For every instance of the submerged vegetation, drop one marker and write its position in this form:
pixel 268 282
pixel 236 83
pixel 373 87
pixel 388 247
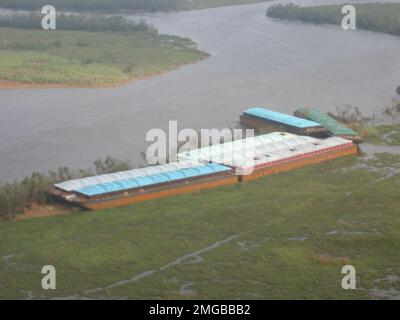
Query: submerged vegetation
pixel 378 129
pixel 106 51
pixel 284 236
pixel 380 17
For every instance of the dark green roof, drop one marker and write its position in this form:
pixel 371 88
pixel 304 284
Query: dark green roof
pixel 333 126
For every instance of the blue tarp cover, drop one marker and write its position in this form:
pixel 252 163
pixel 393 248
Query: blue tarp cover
pixel 145 181
pixel 281 118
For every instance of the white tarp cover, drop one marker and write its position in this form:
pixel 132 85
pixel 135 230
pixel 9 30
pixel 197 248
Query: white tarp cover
pixel 74 185
pixel 221 153
pixel 262 150
pixel 262 158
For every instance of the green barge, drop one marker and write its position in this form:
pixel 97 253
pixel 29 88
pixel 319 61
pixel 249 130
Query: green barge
pixel 334 127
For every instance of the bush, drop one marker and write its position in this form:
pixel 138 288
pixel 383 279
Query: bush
pixel 74 22
pixel 92 5
pixel 382 17
pixel 17 196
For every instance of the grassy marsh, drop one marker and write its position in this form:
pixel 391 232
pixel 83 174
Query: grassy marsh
pixel 89 59
pixel 284 237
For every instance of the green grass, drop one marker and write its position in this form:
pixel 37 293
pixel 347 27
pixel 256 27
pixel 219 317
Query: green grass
pixel 292 233
pixel 77 58
pixel 382 135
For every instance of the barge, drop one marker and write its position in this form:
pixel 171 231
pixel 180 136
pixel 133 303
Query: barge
pixel 265 119
pixel 205 168
pixel 128 187
pixel 334 127
pixel 279 152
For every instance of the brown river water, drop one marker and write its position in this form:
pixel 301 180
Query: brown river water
pixel 255 61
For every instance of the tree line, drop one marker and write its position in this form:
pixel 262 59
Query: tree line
pixel 76 22
pixel 17 196
pixel 92 5
pixel 370 16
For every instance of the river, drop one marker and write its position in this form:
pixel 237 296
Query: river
pixel 255 61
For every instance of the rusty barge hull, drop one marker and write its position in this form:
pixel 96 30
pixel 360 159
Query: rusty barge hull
pixel 271 126
pixel 135 196
pixel 292 164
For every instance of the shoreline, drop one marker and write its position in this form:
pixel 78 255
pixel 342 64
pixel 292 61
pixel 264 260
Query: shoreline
pixel 16 85
pixel 133 12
